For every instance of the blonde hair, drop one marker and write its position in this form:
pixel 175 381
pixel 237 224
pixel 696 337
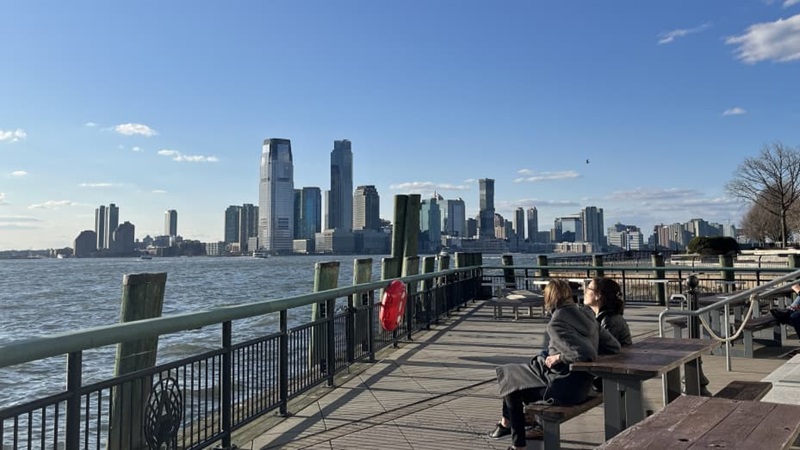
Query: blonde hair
pixel 557 293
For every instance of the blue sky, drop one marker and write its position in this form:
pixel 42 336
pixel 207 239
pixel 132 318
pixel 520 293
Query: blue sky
pixel 157 105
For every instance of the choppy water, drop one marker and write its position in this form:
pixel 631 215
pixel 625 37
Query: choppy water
pixel 50 296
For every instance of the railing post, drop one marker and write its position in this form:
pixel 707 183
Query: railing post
pixel 441 288
pixel 356 326
pixel 326 276
pixel 428 266
pixel 509 279
pixel 283 375
pixel 411 267
pixel 597 262
pixel 74 371
pixel 227 385
pixel 661 297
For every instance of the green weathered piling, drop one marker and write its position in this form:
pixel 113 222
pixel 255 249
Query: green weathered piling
pixel 362 273
pixel 793 259
pixel 659 288
pixel 142 298
pixel 411 231
pixel 597 262
pixel 411 267
pixel 727 276
pixel 509 279
pixel 326 276
pixel 461 260
pixel 541 260
pixel 390 268
pixel 398 228
pixel 428 266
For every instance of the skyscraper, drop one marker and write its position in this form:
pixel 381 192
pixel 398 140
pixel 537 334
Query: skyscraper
pixel 486 214
pixel 112 221
pixel 340 202
pixel 519 225
pixel 454 218
pixel 171 223
pixel 308 212
pixel 366 208
pixel 232 223
pixel 100 226
pixel 533 224
pixel 430 224
pixel 276 196
pixel 592 223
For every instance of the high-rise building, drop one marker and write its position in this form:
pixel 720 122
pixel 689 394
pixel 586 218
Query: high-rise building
pixel 533 224
pixel 486 225
pixel 471 227
pixel 572 229
pixel 340 202
pixel 519 225
pixel 124 238
pixel 171 223
pixel 85 244
pixel 100 226
pixel 454 215
pixel 366 208
pixel 430 222
pixel 276 196
pixel 112 221
pixel 232 223
pixel 308 212
pixel 592 225
pixel 241 223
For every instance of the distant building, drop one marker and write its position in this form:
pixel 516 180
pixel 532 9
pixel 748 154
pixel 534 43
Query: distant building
pixel 232 223
pixel 340 200
pixel 592 226
pixel 100 227
pixel 124 239
pixel 276 197
pixel 111 223
pixel 171 222
pixel 85 244
pixel 430 222
pixel 471 228
pixel 533 224
pixel 366 208
pixel 454 218
pixel 519 227
pixel 335 241
pixel 308 213
pixel 486 224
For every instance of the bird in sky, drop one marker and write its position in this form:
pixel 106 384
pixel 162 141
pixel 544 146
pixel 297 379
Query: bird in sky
pixel 587 161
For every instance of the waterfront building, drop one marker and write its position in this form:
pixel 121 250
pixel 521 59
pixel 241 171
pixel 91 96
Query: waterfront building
pixel 366 208
pixel 308 213
pixel 533 224
pixel 572 229
pixel 215 248
pixel 519 227
pixel 556 231
pixel 276 196
pixel 100 227
pixel 499 223
pixel 85 244
pixel 171 223
pixel 123 238
pixel 111 223
pixel 454 215
pixel 241 224
pixel 592 226
pixel 335 241
pixel 471 227
pixel 340 201
pixel 232 214
pixel 430 222
pixel 486 224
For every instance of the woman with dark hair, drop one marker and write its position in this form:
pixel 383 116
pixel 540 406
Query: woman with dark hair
pixel 573 335
pixel 604 297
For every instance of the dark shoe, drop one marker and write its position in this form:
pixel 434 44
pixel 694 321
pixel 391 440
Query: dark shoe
pixel 499 431
pixel 534 432
pixel 781 315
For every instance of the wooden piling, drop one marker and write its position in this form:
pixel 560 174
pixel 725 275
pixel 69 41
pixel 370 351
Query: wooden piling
pixel 326 276
pixel 597 262
pixel 509 280
pixel 142 298
pixel 659 288
pixel 411 232
pixel 541 260
pixel 362 273
pixel 398 227
pixel 413 307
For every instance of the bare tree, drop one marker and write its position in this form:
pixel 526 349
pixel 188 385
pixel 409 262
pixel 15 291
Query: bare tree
pixel 771 180
pixel 760 224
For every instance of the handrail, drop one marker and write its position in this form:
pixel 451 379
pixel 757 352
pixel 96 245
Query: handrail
pixel 22 351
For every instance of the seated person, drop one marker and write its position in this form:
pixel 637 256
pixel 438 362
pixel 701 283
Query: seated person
pixel 604 297
pixel 791 315
pixel 573 335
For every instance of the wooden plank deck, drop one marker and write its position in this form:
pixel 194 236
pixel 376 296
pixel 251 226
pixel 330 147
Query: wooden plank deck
pixel 440 390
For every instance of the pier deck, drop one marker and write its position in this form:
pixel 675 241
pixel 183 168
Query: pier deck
pixel 439 392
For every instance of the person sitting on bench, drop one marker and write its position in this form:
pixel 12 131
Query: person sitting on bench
pixel 791 315
pixel 604 297
pixel 574 335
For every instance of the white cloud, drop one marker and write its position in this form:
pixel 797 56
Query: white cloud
pixel 524 171
pixel 130 129
pixel 669 36
pixel 18 222
pixel 548 176
pixel 90 124
pixel 136 149
pixel 427 186
pixel 53 204
pixel 655 194
pixel 180 157
pixel 789 3
pixel 18 173
pixel 158 191
pixel 777 41
pixel 736 111
pixel 96 185
pixel 3 198
pixel 12 135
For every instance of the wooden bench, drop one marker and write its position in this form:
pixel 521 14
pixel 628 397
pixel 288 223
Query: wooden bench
pixel 745 390
pixel 551 417
pixel 678 324
pixel 757 324
pixel 515 299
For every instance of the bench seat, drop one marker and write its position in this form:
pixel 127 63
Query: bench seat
pixel 757 324
pixel 744 390
pixel 551 417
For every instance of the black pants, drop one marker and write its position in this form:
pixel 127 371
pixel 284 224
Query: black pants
pixel 514 411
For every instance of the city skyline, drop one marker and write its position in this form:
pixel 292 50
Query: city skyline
pixel 643 110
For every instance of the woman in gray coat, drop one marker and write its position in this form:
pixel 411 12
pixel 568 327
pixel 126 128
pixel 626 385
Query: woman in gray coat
pixel 574 335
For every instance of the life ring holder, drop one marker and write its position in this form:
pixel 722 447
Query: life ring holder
pixel 393 305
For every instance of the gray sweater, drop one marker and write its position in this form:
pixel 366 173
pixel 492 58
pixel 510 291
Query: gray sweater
pixel 574 334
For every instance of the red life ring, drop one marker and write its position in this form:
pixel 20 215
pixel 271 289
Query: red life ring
pixel 393 305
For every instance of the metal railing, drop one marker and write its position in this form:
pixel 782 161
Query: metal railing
pixel 198 401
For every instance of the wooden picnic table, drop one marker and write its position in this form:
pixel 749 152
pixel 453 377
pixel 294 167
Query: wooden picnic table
pixel 692 422
pixel 516 298
pixel 625 372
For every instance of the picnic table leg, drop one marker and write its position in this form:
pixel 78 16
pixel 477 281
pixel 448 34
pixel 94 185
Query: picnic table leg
pixel 614 407
pixel 672 385
pixel 692 376
pixel 634 400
